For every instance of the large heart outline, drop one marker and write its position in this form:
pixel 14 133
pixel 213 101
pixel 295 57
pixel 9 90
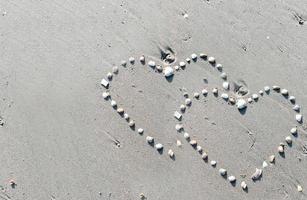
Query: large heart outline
pixel 212 61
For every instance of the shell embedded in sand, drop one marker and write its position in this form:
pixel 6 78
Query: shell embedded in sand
pixel 260 92
pixel 249 100
pixel 131 60
pixel 199 148
pixel 219 66
pixel 225 96
pixel 214 91
pixel 299 188
pixel 296 108
pixel 276 87
pixel 223 75
pixel 231 179
pixel 113 103
pixel 186 135
pixel 281 149
pixel 213 163
pixel 292 99
pixel 115 70
pixel 266 88
pixel 131 123
pixel 140 131
pixel 243 185
pixel 159 68
pixel 142 59
pixel 211 59
pixel 288 139
pixel 241 104
pixel 177 115
pixel 196 95
pixel 104 83
pixel 255 96
pixel 194 56
pixel 193 143
pixel 109 75
pixel 126 116
pixel 123 63
pixel 149 139
pixel 284 92
pixel 293 131
pixel 188 102
pixel 232 100
pixel 272 159
pixel 170 153
pixel 178 143
pixel 182 107
pixel 188 60
pixel 264 164
pixel 168 71
pixel 204 92
pixel 120 110
pixel 257 174
pixel 152 64
pixel 105 95
pixel 182 64
pixel 299 118
pixel 222 171
pixel 226 85
pixel 203 55
pixel 178 127
pixel 176 67
pixel 159 146
pixel 204 156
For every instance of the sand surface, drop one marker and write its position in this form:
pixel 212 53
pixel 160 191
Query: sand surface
pixel 57 140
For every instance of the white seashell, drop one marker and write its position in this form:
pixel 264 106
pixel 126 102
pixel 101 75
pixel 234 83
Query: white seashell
pixel 255 96
pixel 115 70
pixel 241 104
pixel 299 188
pixel 249 100
pixel 176 67
pixel 199 148
pixel 140 131
pixel 159 146
pixel 142 59
pixel 204 92
pixel 120 110
pixel 159 68
pixel 193 143
pixel 264 164
pixel 293 131
pixel 188 102
pixel 272 159
pixel 266 89
pixel 260 92
pixel 225 96
pixel 219 66
pixel 203 55
pixel 131 60
pixel 194 56
pixel 126 116
pixel 105 95
pixel 213 163
pixel 288 139
pixel 185 94
pixel 232 100
pixel 178 127
pixel 223 75
pixel 284 92
pixel 226 85
pixel 188 60
pixel 204 156
pixel 152 64
pixel 299 118
pixel 214 91
pixel 281 149
pixel 177 115
pixel 276 87
pixel 182 108
pixel 179 144
pixel 196 95
pixel 243 185
pixel 296 108
pixel 131 123
pixel 211 59
pixel 104 83
pixel 170 153
pixel 113 103
pixel 222 172
pixel 182 64
pixel 149 139
pixel 257 174
pixel 292 99
pixel 231 179
pixel 168 72
pixel 186 135
pixel 123 63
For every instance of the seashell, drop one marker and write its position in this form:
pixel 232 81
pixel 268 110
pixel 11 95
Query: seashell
pixel 211 60
pixel 226 85
pixel 159 146
pixel 104 83
pixel 299 188
pixel 292 99
pixel 266 89
pixel 213 163
pixel 131 60
pixel 296 108
pixel 225 96
pixel 123 63
pixel 199 148
pixel 231 179
pixel 168 72
pixel 284 92
pixel 260 92
pixel 257 174
pixel 293 131
pixel 120 110
pixel 219 67
pixel 177 115
pixel 152 64
pixel 188 60
pixel 178 143
pixel 188 102
pixel 176 67
pixel 182 64
pixel 171 153
pixel 222 172
pixel 214 91
pixel 288 139
pixel 115 70
pixel 142 59
pixel 178 127
pixel 204 92
pixel 223 75
pixel 193 143
pixel 105 95
pixel 276 88
pixel 185 94
pixel 232 100
pixel 182 108
pixel 194 56
pixel 272 159
pixel 113 103
pixel 249 100
pixel 140 131
pixel 196 95
pixel 281 149
pixel 159 68
pixel 203 55
pixel 126 116
pixel 131 123
pixel 264 164
pixel 204 156
pixel 243 185
pixel 241 104
pixel 186 135
pixel 255 96
pixel 299 118
pixel 149 139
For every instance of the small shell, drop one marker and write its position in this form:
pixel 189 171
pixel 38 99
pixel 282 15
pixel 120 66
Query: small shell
pixel 149 139
pixel 260 92
pixel 299 118
pixel 288 139
pixel 214 91
pixel 232 100
pixel 193 143
pixel 131 123
pixel 142 59
pixel 185 94
pixel 176 67
pixel 182 64
pixel 276 88
pixel 223 75
pixel 186 135
pixel 231 179
pixel 293 131
pixel 249 100
pixel 123 63
pixel 105 95
pixel 257 174
pixel 243 185
pixel 179 144
pixel 196 95
pixel 182 107
pixel 299 188
pixel 168 71
pixel 219 66
pixel 104 83
pixel 213 163
pixel 140 131
pixel 194 56
pixel 204 92
pixel 131 60
pixel 159 146
pixel 264 164
pixel 120 110
pixel 226 85
pixel 296 108
pixel 281 149
pixel 292 99
pixel 204 156
pixel 152 64
pixel 115 70
pixel 199 148
pixel 113 103
pixel 178 127
pixel 241 104
pixel 225 96
pixel 211 59
pixel 188 102
pixel 284 92
pixel 188 60
pixel 272 159
pixel 255 96
pixel 203 55
pixel 159 68
pixel 222 172
pixel 266 89
pixel 171 153
pixel 177 115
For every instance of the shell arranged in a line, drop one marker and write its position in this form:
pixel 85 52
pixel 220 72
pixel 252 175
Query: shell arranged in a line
pixel 226 85
pixel 224 96
pixel 211 59
pixel 159 146
pixel 219 66
pixel 177 115
pixel 179 127
pixel 171 153
pixel 222 171
pixel 204 92
pixel 266 89
pixel 104 83
pixel 113 103
pixel 243 185
pixel 299 118
pixel 131 60
pixel 115 70
pixel 194 56
pixel 149 139
pixel 140 131
pixel 272 159
pixel 288 139
pixel 152 64
pixel 296 108
pixel 105 95
pixel 142 59
pixel 196 95
pixel 186 135
pixel 284 92
pixel 182 107
pixel 188 102
pixel 182 64
pixel 257 174
pixel 168 72
pixel 223 75
pixel 241 104
pixel 293 131
pixel 231 179
pixel 213 163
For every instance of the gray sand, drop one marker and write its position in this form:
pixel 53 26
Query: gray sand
pixel 58 132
